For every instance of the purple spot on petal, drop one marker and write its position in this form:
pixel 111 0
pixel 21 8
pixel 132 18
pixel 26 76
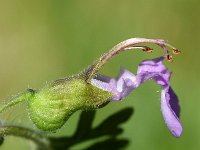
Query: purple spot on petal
pixel 174 102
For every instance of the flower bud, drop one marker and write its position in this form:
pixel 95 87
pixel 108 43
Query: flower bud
pixel 51 106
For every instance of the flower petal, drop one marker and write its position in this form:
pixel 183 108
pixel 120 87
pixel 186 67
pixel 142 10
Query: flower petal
pixel 153 69
pixel 125 79
pixel 152 65
pixel 148 69
pixel 120 86
pixel 101 84
pixel 170 110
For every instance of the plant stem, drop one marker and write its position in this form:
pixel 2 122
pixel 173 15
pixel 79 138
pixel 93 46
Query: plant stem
pixel 26 95
pixel 42 142
pixel 123 46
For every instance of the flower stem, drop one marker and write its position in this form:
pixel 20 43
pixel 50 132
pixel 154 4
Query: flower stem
pixel 41 141
pixel 123 46
pixel 17 99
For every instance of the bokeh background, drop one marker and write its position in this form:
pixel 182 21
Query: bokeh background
pixel 43 40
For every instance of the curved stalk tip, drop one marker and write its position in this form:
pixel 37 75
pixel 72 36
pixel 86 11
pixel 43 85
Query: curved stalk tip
pixel 129 45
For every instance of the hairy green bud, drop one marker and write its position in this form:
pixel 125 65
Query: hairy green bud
pixel 50 107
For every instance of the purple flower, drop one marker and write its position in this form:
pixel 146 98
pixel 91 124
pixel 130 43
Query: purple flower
pixel 122 85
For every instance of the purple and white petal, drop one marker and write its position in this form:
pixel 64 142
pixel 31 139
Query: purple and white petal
pixel 153 69
pixel 102 85
pixel 126 82
pixel 120 86
pixel 170 109
pixel 152 65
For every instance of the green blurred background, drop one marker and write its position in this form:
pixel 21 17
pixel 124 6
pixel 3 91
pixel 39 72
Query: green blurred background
pixel 43 40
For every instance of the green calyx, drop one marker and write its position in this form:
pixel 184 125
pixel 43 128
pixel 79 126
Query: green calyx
pixel 50 107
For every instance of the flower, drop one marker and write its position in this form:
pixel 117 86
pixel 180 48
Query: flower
pixel 122 85
pixel 89 90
